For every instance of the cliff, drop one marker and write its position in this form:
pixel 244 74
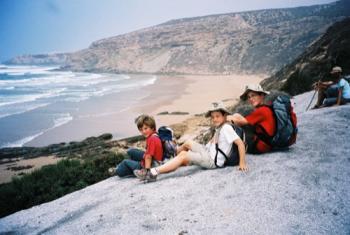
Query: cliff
pixel 251 42
pixel 332 49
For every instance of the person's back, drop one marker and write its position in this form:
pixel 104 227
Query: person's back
pixel 345 86
pixel 154 147
pixel 263 120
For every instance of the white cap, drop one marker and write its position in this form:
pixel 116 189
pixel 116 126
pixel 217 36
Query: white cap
pixel 255 88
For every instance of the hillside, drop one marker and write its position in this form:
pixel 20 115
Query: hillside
pixel 303 190
pixel 332 49
pixel 252 42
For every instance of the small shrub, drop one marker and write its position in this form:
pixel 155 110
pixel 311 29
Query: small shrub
pixel 54 181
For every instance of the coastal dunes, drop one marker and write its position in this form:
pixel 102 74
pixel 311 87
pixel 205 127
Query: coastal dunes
pixel 304 189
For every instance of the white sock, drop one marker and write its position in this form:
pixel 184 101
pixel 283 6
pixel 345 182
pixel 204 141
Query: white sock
pixel 154 171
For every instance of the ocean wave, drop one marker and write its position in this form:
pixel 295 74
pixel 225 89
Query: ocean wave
pixel 24 109
pixel 31 98
pixel 59 121
pixel 22 70
pixel 137 84
pixel 68 79
pixel 9 88
pixel 21 142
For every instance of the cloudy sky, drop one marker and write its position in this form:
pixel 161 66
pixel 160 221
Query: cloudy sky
pixel 41 26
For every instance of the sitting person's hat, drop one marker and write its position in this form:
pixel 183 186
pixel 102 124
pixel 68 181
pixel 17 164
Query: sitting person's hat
pixel 336 69
pixel 255 88
pixel 217 106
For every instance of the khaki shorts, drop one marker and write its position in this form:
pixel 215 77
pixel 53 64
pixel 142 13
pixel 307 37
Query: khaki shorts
pixel 199 155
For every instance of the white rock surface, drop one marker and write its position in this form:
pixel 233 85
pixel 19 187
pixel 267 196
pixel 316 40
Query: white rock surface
pixel 301 191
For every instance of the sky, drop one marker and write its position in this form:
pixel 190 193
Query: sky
pixel 47 26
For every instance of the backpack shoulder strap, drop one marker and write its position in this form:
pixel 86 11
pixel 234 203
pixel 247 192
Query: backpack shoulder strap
pixel 218 150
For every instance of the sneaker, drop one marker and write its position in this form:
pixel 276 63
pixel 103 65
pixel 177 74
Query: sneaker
pixel 140 174
pixel 111 171
pixel 150 177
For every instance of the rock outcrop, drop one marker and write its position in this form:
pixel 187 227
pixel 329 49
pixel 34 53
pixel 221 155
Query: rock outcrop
pixel 252 42
pixel 332 49
pixel 303 190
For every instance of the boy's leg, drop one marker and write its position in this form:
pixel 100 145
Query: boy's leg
pixel 171 165
pixel 345 101
pixel 188 145
pixel 320 97
pixel 181 148
pixel 135 154
pixel 332 91
pixel 330 101
pixel 126 167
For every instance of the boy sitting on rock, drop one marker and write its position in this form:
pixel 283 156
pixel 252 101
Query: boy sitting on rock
pixel 139 159
pixel 208 156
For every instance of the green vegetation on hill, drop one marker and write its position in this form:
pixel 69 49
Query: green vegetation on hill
pixel 54 181
pixel 91 145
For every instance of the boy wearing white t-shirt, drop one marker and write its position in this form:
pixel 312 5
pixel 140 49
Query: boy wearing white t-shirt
pixel 192 153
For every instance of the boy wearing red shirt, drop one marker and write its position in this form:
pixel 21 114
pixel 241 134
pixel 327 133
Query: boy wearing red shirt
pixel 262 119
pixel 140 159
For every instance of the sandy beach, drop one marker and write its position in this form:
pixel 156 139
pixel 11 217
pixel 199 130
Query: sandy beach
pixel 6 173
pixel 195 95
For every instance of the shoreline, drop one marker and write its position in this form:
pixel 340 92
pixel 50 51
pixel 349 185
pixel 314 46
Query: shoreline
pixel 191 94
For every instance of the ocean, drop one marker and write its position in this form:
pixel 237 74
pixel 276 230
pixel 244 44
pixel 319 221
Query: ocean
pixel 35 100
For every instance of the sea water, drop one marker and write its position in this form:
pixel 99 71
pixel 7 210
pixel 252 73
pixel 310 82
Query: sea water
pixel 36 99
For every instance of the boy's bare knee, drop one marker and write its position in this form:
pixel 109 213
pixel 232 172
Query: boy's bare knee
pixel 184 158
pixel 182 153
pixel 188 144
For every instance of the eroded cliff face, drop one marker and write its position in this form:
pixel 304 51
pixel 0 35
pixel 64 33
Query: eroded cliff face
pixel 332 49
pixel 250 42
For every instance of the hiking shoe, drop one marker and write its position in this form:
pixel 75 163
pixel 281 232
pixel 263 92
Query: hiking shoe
pixel 111 171
pixel 140 174
pixel 150 177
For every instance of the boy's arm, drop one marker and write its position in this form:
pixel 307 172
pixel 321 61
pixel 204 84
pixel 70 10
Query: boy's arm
pixel 241 150
pixel 149 153
pixel 148 160
pixel 237 119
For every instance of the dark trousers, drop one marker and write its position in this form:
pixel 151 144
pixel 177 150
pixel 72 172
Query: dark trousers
pixel 127 166
pixel 332 96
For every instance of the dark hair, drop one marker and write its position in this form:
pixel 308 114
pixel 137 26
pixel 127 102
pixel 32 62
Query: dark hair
pixel 147 120
pixel 220 111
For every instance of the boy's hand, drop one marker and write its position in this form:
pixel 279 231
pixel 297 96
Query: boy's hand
pixel 243 167
pixel 315 85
